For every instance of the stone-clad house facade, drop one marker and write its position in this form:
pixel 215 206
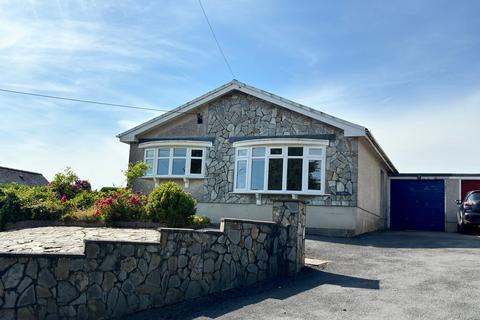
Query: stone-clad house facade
pixel 237 147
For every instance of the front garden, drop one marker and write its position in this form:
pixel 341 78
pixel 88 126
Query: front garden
pixel 71 200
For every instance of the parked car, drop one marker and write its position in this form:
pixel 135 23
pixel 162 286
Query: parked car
pixel 468 214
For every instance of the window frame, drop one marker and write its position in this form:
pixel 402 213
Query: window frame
pixel 145 158
pixel 284 144
pixel 188 158
pixel 235 172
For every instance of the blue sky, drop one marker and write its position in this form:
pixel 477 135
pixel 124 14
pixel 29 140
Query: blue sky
pixel 408 70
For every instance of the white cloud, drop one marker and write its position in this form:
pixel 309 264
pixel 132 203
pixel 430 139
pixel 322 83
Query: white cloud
pixel 327 94
pixel 80 52
pixel 439 136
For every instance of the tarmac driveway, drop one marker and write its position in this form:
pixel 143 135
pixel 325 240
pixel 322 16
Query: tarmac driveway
pixel 385 275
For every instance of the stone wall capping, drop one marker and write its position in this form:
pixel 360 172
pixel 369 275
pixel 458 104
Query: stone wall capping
pixel 54 255
pixel 186 230
pixel 290 200
pixel 233 220
pixel 165 229
pixel 107 241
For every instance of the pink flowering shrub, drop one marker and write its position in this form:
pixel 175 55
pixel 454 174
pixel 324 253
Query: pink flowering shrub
pixel 82 185
pixel 67 185
pixel 124 205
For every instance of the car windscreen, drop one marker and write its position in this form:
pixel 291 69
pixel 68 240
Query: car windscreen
pixel 474 197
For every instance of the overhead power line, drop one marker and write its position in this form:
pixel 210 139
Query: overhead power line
pixel 89 101
pixel 216 40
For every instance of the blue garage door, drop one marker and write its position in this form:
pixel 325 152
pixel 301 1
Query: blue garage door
pixel 417 205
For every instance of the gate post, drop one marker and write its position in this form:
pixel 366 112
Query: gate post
pixel 290 214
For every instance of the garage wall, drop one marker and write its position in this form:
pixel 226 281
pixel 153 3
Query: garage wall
pixel 468 185
pixel 452 187
pixel 370 191
pixel 366 222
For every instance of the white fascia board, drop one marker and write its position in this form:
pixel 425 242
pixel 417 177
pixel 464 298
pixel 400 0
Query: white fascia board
pixel 281 142
pixel 464 178
pixel 350 129
pixel 439 176
pixel 179 143
pixel 130 135
pixel 376 147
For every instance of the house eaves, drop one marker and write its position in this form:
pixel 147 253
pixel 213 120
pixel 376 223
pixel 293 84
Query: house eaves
pixel 350 129
pixel 380 152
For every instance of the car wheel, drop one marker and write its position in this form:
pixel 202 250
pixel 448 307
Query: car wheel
pixel 461 228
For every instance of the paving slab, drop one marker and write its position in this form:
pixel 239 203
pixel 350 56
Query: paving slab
pixel 62 239
pixel 318 263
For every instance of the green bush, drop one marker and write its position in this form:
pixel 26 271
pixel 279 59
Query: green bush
pixel 169 204
pixel 3 199
pixel 110 189
pixel 85 200
pixel 200 222
pixel 81 215
pixel 47 210
pixel 11 209
pixel 23 203
pixel 134 171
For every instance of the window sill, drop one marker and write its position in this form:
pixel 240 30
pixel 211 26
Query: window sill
pixel 173 177
pixel 300 193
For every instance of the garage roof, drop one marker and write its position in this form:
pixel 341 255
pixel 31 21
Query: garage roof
pixel 439 175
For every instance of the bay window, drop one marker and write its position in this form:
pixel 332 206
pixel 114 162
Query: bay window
pixel 282 166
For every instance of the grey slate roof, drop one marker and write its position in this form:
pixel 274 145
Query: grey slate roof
pixel 9 175
pixel 350 129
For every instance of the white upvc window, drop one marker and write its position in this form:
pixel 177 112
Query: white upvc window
pixel 280 166
pixel 174 159
pixel 150 160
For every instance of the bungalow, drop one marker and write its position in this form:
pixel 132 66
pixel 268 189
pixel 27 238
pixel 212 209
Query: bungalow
pixel 28 178
pixel 238 147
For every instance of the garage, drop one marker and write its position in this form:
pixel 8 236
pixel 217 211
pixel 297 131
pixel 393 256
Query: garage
pixel 417 205
pixel 426 201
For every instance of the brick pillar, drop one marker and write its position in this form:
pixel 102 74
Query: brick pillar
pixel 290 214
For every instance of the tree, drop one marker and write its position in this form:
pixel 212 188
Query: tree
pixel 134 171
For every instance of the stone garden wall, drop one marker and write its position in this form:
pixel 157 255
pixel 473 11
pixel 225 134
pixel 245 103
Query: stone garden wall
pixel 114 278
